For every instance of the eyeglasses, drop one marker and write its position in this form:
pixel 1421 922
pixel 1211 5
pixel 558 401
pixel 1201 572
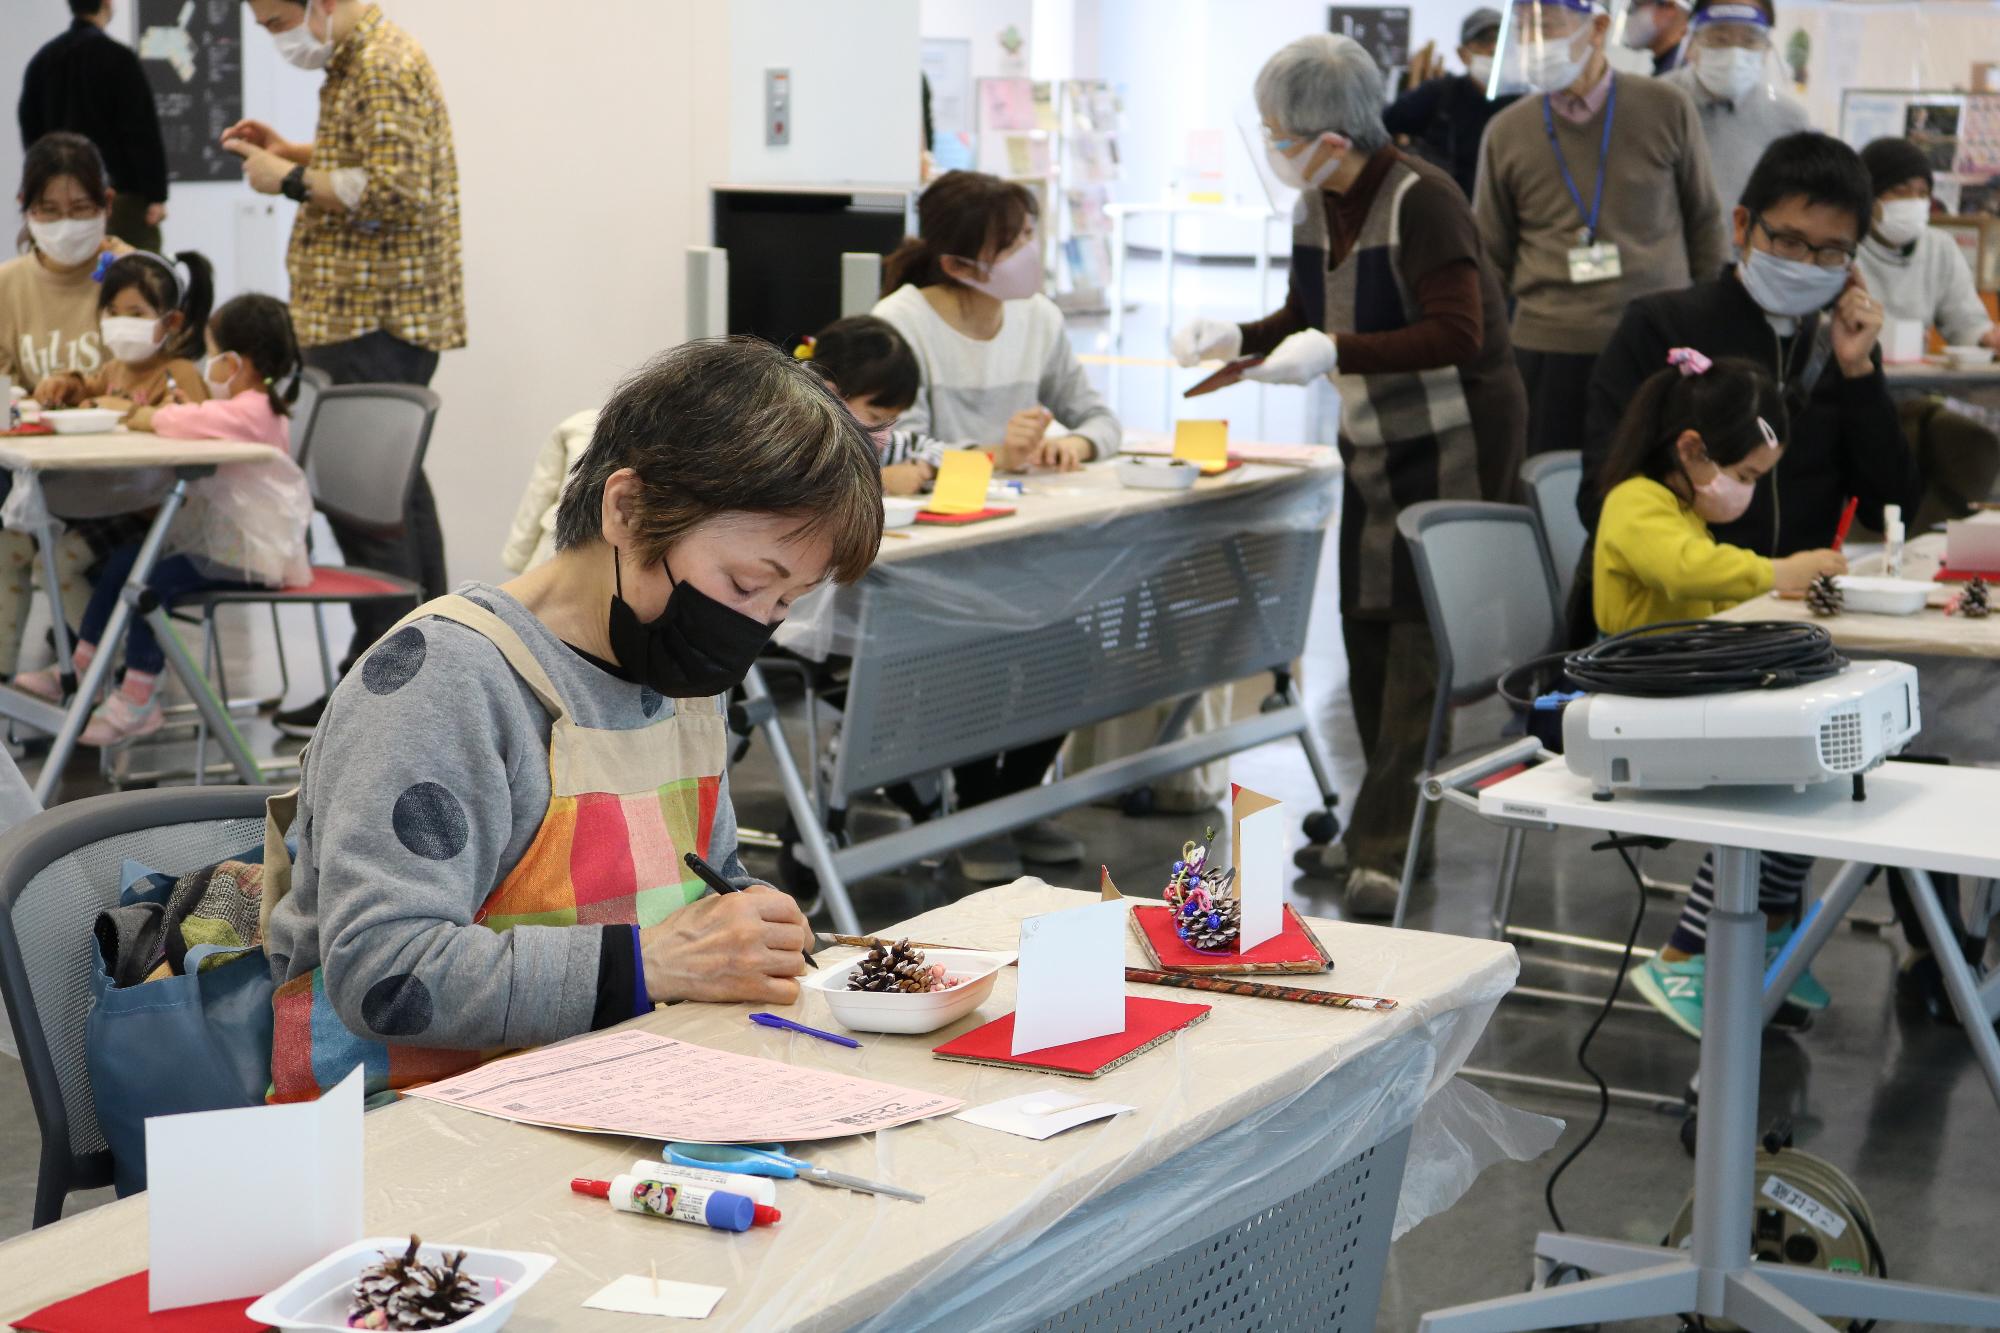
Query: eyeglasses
pixel 80 211
pixel 1791 245
pixel 1289 140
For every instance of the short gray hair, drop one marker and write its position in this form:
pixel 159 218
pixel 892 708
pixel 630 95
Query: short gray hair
pixel 1324 82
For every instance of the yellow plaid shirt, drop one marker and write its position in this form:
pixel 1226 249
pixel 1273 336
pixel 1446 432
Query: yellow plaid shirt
pixel 394 261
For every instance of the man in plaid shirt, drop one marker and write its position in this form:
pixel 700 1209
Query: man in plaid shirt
pixel 378 287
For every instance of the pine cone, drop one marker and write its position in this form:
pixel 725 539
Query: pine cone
pixel 1974 601
pixel 1823 596
pixel 405 1293
pixel 1216 928
pixel 900 967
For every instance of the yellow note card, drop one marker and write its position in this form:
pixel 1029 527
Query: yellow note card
pixel 962 478
pixel 1203 443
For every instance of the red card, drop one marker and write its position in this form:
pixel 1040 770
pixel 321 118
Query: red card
pixel 1947 574
pixel 120 1307
pixel 1293 945
pixel 978 516
pixel 1147 1023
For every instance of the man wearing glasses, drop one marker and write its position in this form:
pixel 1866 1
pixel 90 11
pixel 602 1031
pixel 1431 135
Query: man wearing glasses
pixel 1796 304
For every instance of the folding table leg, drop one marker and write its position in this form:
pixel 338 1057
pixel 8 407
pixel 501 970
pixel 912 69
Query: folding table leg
pixel 47 538
pixel 1823 919
pixel 812 837
pixel 1959 981
pixel 182 664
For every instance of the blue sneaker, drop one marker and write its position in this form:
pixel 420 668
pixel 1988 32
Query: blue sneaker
pixel 1806 992
pixel 1675 989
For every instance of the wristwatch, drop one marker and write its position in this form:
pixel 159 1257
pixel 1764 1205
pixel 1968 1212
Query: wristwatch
pixel 293 186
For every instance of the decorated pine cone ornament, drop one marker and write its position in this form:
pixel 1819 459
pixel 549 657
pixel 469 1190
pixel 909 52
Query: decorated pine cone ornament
pixel 900 967
pixel 404 1292
pixel 1823 596
pixel 1207 913
pixel 1973 600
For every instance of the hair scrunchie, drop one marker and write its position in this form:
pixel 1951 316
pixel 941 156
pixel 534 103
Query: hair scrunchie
pixel 1688 361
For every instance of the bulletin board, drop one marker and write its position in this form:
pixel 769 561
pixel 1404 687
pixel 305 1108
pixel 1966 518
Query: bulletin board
pixel 192 52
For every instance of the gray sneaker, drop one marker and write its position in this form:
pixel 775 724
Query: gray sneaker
pixel 993 861
pixel 1325 859
pixel 1371 893
pixel 1045 843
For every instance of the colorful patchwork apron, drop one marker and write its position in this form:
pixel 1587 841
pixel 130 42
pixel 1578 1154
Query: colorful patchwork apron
pixel 624 807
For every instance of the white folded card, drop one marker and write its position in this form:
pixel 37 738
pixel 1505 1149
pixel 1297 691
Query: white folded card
pixel 633 1294
pixel 1041 1115
pixel 1072 977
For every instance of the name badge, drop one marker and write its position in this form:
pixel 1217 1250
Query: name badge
pixel 1594 263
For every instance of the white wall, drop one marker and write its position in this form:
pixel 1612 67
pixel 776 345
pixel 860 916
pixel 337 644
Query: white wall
pixel 856 108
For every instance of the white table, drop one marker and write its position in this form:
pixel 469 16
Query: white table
pixel 1919 817
pixel 841 1261
pixel 1088 603
pixel 34 459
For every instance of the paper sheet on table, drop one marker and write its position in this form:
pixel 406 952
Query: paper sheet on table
pixel 242 1201
pixel 653 1087
pixel 633 1294
pixel 1062 1110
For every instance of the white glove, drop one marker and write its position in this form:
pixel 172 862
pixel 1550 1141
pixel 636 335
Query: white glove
pixel 1207 340
pixel 1299 359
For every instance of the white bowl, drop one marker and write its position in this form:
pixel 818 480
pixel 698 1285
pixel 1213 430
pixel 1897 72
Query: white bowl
pixel 81 420
pixel 318 1297
pixel 1968 358
pixel 1157 474
pixel 906 1012
pixel 900 511
pixel 1882 596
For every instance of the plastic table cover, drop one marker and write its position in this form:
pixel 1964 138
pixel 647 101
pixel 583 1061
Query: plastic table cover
pixel 1075 539
pixel 1254 1103
pixel 96 476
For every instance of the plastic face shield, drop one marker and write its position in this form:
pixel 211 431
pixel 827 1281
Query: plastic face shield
pixel 1544 45
pixel 1730 52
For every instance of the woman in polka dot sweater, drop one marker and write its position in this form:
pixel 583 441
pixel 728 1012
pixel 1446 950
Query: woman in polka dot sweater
pixel 493 814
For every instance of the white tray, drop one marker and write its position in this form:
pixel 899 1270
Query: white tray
pixel 318 1298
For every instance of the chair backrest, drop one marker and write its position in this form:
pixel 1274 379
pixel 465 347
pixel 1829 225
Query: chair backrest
pixel 1488 589
pixel 312 383
pixel 57 872
pixel 368 442
pixel 1551 481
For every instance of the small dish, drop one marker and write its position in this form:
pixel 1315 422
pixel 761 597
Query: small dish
pixel 1882 596
pixel 900 511
pixel 1157 474
pixel 912 1012
pixel 1968 358
pixel 81 420
pixel 318 1298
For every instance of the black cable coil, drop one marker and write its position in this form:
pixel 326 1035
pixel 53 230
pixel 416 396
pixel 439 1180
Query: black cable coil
pixel 1681 657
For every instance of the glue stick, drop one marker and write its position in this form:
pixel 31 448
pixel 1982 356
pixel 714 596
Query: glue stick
pixel 1892 541
pixel 759 1189
pixel 682 1203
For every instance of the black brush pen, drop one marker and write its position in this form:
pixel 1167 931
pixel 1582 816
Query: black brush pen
pixel 715 881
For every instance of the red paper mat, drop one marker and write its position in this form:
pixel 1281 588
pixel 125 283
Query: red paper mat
pixel 977 516
pixel 120 1307
pixel 1293 949
pixel 1949 575
pixel 34 428
pixel 1147 1024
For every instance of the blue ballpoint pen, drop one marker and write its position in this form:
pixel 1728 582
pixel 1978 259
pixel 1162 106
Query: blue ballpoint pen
pixel 773 1021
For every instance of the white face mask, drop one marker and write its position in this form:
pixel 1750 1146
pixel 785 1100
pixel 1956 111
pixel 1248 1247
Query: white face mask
pixel 1789 288
pixel 1480 70
pixel 1555 64
pixel 303 47
pixel 130 337
pixel 211 364
pixel 1723 498
pixel 1729 73
pixel 1014 276
pixel 1903 221
pixel 1641 27
pixel 68 242
pixel 1286 166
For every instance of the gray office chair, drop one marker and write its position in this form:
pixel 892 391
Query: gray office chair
pixel 57 872
pixel 1551 482
pixel 312 383
pixel 1490 595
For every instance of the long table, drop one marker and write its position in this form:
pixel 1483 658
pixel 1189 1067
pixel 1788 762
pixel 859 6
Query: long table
pixel 1247 1124
pixel 89 467
pixel 1089 602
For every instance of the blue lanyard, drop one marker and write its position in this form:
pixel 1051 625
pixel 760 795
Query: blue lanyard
pixel 1603 154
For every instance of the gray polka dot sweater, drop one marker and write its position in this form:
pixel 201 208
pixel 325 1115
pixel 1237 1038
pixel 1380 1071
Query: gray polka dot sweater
pixel 425 785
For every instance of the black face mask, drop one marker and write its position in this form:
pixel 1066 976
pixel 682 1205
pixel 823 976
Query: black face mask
pixel 696 647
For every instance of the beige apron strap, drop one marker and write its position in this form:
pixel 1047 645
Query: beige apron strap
pixel 279 812
pixel 706 705
pixel 463 611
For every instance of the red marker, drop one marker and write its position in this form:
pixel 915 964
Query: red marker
pixel 1846 520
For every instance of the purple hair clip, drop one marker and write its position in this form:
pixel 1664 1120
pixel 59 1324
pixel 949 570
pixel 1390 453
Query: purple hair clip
pixel 1688 361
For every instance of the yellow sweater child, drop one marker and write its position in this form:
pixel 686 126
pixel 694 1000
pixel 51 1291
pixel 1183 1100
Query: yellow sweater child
pixel 1690 451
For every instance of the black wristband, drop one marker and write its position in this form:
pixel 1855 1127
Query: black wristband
pixel 294 186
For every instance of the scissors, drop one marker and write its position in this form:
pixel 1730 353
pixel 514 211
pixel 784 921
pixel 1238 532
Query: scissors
pixel 769 1159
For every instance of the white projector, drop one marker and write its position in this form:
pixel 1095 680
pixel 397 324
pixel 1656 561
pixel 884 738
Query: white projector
pixel 1833 728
